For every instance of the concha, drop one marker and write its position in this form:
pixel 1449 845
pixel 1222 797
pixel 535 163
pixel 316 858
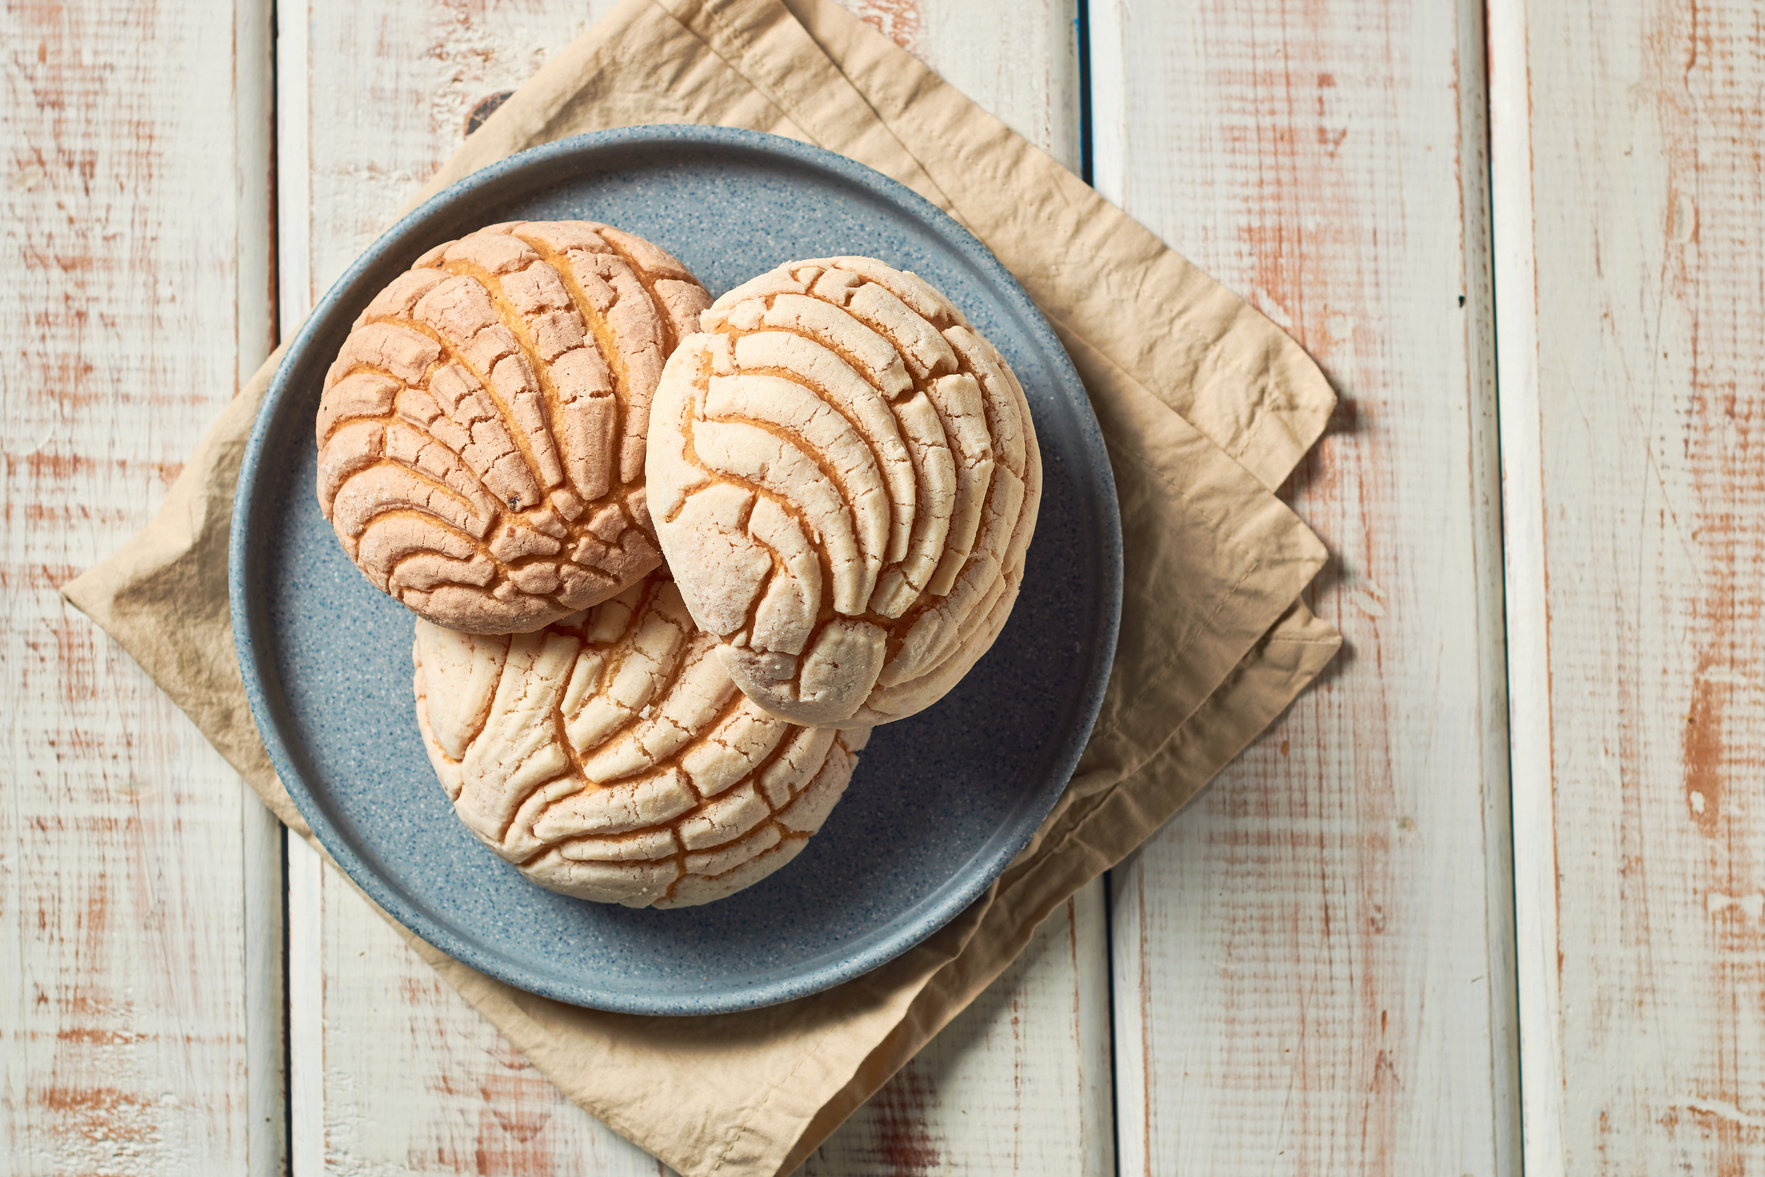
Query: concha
pixel 481 433
pixel 844 477
pixel 610 757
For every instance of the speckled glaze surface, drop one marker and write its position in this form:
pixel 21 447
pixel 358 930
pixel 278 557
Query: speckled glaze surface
pixel 940 803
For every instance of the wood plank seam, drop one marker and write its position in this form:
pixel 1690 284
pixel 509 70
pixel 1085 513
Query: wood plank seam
pixel 1471 82
pixel 303 969
pixel 1525 603
pixel 1087 172
pixel 1082 34
pixel 263 884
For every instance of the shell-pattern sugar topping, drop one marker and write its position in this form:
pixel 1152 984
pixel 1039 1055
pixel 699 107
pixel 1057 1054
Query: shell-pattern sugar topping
pixel 610 757
pixel 845 478
pixel 481 433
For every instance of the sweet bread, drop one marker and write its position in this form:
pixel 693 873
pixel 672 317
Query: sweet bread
pixel 610 757
pixel 481 433
pixel 845 478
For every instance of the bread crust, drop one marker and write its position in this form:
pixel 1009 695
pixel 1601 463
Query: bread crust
pixel 482 431
pixel 610 757
pixel 845 478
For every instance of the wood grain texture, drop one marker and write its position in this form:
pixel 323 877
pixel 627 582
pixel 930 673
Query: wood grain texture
pixel 353 153
pixel 1523 512
pixel 131 865
pixel 1018 60
pixel 1312 969
pixel 1646 185
pixel 413 1079
pixel 1018 1083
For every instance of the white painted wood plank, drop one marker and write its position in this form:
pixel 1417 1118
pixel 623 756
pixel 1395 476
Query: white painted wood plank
pixel 1528 628
pixel 296 293
pixel 1640 383
pixel 130 868
pixel 415 1081
pixel 409 1071
pixel 266 1011
pixel 1312 965
pixel 306 1010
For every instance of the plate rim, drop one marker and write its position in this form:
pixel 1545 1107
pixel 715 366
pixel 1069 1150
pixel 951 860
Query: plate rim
pixel 915 923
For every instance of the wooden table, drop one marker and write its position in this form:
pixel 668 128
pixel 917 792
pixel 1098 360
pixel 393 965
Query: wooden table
pixel 1495 886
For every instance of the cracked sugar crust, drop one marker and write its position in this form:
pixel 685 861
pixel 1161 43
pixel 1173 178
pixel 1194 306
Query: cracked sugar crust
pixel 609 756
pixel 482 431
pixel 845 479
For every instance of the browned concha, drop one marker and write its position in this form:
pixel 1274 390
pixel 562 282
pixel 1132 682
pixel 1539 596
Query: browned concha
pixel 845 478
pixel 481 434
pixel 610 757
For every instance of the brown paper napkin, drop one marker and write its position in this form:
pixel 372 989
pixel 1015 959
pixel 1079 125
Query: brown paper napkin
pixel 1205 406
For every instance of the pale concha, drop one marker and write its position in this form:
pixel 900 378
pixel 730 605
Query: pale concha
pixel 610 757
pixel 844 478
pixel 481 434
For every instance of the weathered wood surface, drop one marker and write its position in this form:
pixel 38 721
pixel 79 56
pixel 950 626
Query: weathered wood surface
pixel 1644 988
pixel 1529 694
pixel 139 1034
pixel 1018 1083
pixel 1312 969
pixel 1313 966
pixel 391 1070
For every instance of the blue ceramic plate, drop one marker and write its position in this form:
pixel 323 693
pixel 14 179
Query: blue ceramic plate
pixel 940 803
